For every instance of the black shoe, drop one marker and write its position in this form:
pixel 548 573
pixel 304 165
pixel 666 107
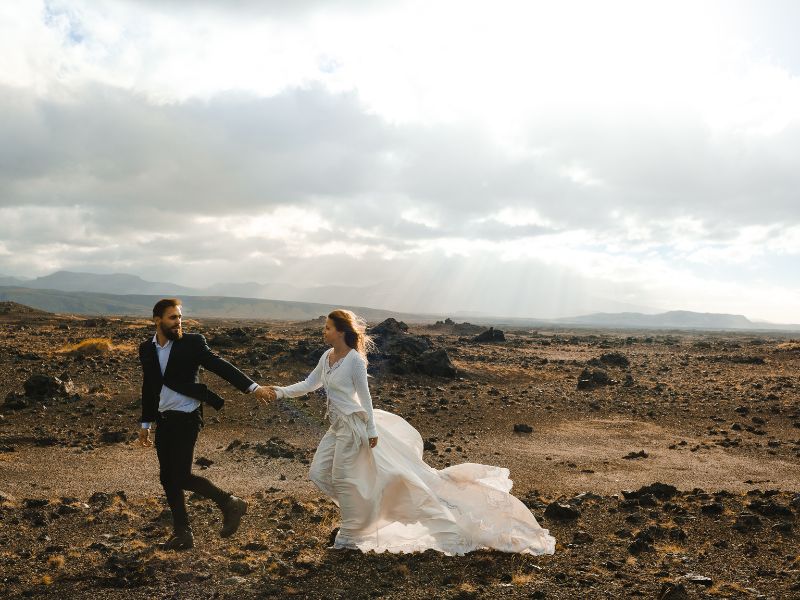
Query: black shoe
pixel 180 540
pixel 232 514
pixel 332 537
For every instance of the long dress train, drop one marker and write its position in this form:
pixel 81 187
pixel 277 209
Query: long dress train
pixel 391 500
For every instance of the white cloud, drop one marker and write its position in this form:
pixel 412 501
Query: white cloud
pixel 505 152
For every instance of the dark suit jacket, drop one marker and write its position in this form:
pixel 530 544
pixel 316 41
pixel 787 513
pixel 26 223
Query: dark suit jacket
pixel 186 357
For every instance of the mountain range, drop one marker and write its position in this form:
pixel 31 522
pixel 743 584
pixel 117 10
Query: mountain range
pixel 120 293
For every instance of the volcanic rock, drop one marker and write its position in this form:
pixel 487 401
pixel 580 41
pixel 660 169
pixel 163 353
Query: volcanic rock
pixel 40 386
pixel 308 353
pixel 698 579
pixel 591 379
pixel 768 508
pixel 747 522
pixel 276 448
pixel 633 455
pixel 662 491
pixel 643 542
pixel 389 327
pixel 611 359
pixel 15 401
pixel 714 508
pixel 582 537
pixel 490 335
pixel 561 512
pixel 673 591
pixel 113 437
pixel 405 344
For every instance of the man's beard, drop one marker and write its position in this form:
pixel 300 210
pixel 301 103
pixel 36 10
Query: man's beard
pixel 172 334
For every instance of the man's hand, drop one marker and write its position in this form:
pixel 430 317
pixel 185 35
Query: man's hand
pixel 144 437
pixel 265 393
pixel 373 442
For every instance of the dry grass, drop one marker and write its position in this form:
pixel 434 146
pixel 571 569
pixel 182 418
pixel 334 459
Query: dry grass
pixel 670 549
pixel 726 589
pixel 90 347
pixel 56 562
pixel 788 346
pixel 522 578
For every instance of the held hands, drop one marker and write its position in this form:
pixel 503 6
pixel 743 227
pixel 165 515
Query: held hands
pixel 144 438
pixel 265 393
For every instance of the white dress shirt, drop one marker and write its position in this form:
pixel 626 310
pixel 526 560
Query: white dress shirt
pixel 345 385
pixel 169 398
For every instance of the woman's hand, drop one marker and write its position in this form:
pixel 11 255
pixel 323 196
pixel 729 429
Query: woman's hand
pixel 373 442
pixel 265 393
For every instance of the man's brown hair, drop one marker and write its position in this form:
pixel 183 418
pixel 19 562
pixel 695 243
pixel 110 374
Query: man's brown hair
pixel 164 304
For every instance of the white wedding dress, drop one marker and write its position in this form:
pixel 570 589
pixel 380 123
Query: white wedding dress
pixel 390 499
pixel 454 510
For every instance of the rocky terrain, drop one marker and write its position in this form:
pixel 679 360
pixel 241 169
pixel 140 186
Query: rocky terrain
pixel 666 464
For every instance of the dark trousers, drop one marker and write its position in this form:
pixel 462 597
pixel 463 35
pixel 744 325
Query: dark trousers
pixel 176 434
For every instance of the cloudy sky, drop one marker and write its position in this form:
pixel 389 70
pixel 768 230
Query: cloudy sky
pixel 517 158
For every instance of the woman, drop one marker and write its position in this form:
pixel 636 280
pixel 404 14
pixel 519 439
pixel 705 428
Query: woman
pixel 370 463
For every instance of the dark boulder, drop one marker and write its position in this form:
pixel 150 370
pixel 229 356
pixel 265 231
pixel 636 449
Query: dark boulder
pixel 15 401
pixel 712 509
pixel 522 428
pixel 662 491
pixel 591 379
pixel 561 512
pixel 307 353
pixel 389 327
pixel 747 522
pixel 234 336
pixel 490 335
pixel 611 359
pixel 436 363
pixel 403 353
pixel 643 542
pixel 406 344
pixel 582 537
pixel 113 437
pixel 769 508
pixel 673 591
pixel 276 448
pixel 40 386
pixel 635 455
pixel 96 322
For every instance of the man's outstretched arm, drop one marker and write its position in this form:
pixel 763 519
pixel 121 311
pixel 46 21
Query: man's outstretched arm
pixel 221 367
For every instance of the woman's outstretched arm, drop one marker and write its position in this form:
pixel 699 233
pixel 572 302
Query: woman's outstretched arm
pixel 301 388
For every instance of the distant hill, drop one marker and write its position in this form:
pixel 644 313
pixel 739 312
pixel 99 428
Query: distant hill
pixel 6 280
pixel 92 303
pixel 126 284
pixel 124 294
pixel 116 283
pixel 14 309
pixel 674 319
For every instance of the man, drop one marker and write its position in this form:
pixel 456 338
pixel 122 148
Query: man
pixel 172 397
